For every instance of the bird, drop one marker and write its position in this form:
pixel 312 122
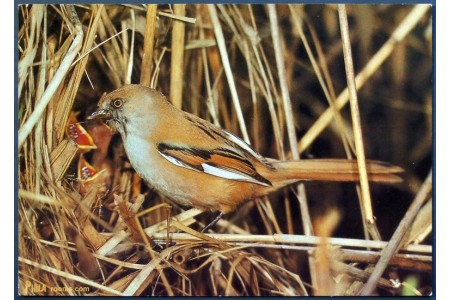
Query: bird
pixel 198 164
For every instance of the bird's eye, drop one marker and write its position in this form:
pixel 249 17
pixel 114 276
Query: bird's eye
pixel 117 103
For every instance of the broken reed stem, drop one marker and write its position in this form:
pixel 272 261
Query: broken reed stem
pixel 75 47
pixel 178 17
pixel 373 65
pixel 177 57
pixel 228 72
pixel 149 44
pixel 395 242
pixel 356 118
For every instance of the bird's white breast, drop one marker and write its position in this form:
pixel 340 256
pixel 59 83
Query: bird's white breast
pixel 152 168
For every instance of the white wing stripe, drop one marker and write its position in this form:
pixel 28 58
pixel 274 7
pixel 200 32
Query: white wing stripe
pixel 177 162
pixel 229 174
pixel 215 171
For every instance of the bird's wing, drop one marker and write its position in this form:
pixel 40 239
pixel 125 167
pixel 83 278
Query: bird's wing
pixel 220 162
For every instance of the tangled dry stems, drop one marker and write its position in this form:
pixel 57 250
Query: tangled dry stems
pixel 95 234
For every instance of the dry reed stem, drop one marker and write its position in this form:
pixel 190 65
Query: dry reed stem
pixel 324 82
pixel 69 276
pixel 407 261
pixel 26 128
pixel 101 257
pixel 139 231
pixel 361 275
pixel 207 79
pixel 39 127
pixel 356 120
pixel 62 109
pixel 29 53
pixel 287 105
pixel 47 199
pixel 149 44
pixel 292 239
pixel 112 242
pixel 178 17
pixel 131 53
pixel 265 87
pixel 38 197
pixel 177 57
pixel 416 262
pixel 185 218
pixel 423 224
pixel 97 46
pixel 398 236
pixel 136 283
pixel 228 72
pixel 404 28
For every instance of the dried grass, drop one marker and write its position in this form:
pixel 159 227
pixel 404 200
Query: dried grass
pixel 269 74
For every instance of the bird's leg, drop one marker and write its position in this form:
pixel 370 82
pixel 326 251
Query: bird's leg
pixel 213 222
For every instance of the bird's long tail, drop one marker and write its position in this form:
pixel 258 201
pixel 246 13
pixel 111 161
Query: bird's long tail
pixel 333 170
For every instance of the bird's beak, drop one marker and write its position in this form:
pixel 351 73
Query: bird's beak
pixel 100 114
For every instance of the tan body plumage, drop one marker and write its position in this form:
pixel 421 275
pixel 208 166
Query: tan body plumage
pixel 196 163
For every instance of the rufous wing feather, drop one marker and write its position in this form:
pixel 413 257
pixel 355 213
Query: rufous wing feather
pixel 219 162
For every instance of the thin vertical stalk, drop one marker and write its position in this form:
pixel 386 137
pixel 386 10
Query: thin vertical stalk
pixel 39 140
pixel 329 93
pixel 356 119
pixel 131 54
pixel 290 126
pixel 228 72
pixel 283 82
